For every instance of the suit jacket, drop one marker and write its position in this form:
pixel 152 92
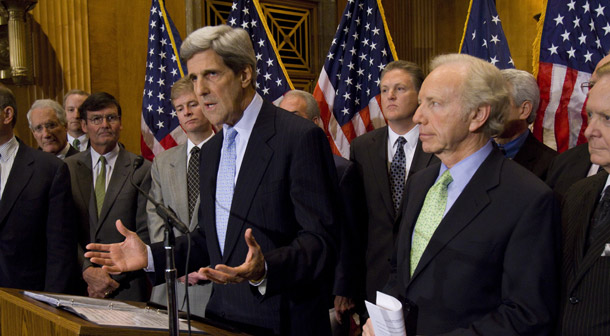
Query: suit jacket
pixel 585 300
pixel 349 273
pixel 72 151
pixel 567 168
pixel 490 266
pixel 535 156
pixel 37 235
pixel 169 187
pixel 287 193
pixel 370 153
pixel 122 201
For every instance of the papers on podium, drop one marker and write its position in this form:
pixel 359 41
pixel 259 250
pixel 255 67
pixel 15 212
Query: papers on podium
pixel 109 312
pixel 386 316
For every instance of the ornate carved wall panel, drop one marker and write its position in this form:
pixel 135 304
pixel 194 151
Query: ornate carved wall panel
pixel 294 26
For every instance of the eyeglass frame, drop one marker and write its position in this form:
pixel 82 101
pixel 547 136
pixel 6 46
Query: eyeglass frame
pixel 586 86
pixel 49 126
pixel 99 119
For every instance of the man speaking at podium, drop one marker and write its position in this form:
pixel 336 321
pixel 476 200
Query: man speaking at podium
pixel 268 201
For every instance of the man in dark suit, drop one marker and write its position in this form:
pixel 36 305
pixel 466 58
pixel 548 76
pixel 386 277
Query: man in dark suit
pixel 349 273
pixel 585 301
pixel 103 193
pixel 37 236
pixel 76 136
pixel 516 140
pixel 373 154
pixel 476 254
pixel 47 120
pixel 574 164
pixel 279 224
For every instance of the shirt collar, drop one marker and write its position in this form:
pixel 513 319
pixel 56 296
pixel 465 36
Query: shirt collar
pixel 63 152
pixel 245 125
pixel 190 144
pixel 463 171
pixel 411 137
pixel 8 149
pixel 512 147
pixel 110 156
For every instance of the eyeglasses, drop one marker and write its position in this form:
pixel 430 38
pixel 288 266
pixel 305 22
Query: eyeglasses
pixel 110 118
pixel 586 86
pixel 50 126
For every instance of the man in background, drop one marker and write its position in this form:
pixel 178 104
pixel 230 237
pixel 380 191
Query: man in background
pixel 175 183
pixel 103 193
pixel 585 302
pixel 37 233
pixel 76 134
pixel 516 141
pixel 348 287
pixel 47 120
pixel 386 158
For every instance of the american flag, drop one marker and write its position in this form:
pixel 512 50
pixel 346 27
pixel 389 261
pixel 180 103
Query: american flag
pixel 484 36
pixel 271 78
pixel 348 87
pixel 574 37
pixel 160 127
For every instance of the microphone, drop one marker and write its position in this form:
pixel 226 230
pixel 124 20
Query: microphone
pixel 164 212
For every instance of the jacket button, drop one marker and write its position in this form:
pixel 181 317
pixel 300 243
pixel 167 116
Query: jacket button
pixel 574 300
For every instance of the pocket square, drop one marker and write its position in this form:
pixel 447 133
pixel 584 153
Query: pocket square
pixel 606 252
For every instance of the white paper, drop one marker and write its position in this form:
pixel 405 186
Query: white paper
pixel 109 312
pixel 386 316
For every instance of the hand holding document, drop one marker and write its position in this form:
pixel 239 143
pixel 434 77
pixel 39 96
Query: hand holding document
pixel 386 316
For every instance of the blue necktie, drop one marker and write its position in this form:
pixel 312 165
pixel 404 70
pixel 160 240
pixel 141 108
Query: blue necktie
pixel 225 183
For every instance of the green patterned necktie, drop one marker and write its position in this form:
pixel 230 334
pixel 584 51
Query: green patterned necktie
pixel 100 185
pixel 76 144
pixel 430 216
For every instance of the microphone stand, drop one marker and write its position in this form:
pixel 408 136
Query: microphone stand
pixel 171 221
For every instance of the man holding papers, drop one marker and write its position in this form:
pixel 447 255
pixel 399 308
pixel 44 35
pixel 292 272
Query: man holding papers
pixel 476 253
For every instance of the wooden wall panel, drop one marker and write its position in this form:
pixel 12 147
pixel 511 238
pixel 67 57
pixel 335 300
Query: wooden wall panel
pixel 119 38
pixel 60 41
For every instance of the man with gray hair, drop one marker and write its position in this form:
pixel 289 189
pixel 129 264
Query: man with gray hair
pixel 47 120
pixel 463 263
pixel 268 203
pixel 516 141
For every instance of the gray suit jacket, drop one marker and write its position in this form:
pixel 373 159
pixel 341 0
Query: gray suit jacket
pixel 122 201
pixel 169 187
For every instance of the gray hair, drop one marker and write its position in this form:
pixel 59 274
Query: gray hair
pixel 48 103
pixel 233 45
pixel 482 85
pixel 313 110
pixel 523 88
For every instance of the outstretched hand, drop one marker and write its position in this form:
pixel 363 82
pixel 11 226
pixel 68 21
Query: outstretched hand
pixel 129 255
pixel 253 268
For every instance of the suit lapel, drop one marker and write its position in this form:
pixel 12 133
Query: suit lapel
pixel 117 180
pixel 583 261
pixel 20 175
pixel 416 190
pixel 254 164
pixel 179 186
pixel 209 160
pixel 378 157
pixel 468 205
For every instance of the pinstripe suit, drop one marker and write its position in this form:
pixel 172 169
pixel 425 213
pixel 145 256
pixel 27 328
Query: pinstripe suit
pixel 287 192
pixel 585 296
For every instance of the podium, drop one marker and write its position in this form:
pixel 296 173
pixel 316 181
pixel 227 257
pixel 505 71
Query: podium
pixel 23 316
